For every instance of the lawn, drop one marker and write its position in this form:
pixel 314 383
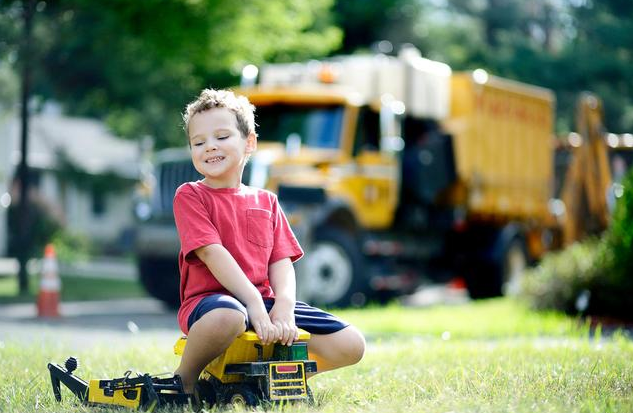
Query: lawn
pixel 493 356
pixel 74 289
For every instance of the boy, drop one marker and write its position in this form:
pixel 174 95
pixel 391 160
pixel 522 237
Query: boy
pixel 237 250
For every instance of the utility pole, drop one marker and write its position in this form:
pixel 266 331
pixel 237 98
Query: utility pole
pixel 24 218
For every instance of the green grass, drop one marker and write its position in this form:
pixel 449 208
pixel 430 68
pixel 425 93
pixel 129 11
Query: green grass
pixel 74 289
pixel 490 363
pixel 481 319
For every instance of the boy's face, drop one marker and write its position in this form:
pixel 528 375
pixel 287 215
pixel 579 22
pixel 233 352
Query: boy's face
pixel 218 150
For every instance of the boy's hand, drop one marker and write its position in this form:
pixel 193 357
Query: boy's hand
pixel 282 316
pixel 265 329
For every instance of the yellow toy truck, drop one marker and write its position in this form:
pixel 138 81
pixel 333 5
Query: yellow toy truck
pixel 247 373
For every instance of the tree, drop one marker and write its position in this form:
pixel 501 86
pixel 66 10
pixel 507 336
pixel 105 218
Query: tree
pixel 599 58
pixel 366 22
pixel 136 64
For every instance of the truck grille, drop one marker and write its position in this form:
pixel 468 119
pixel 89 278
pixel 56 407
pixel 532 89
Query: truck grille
pixel 170 176
pixel 287 381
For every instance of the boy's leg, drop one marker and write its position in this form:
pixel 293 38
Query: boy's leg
pixel 342 348
pixel 208 337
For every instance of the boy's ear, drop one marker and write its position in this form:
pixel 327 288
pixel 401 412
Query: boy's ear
pixel 251 143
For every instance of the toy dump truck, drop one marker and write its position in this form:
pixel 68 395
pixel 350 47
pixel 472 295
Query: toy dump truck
pixel 394 170
pixel 247 373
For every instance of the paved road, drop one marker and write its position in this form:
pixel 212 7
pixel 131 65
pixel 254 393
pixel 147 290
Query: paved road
pixel 88 323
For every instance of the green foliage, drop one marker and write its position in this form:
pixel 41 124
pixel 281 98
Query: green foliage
pixel 106 182
pixel 561 277
pixel 602 267
pixel 137 63
pixel 612 292
pixel 365 22
pixel 71 247
pixel 45 229
pixel 42 226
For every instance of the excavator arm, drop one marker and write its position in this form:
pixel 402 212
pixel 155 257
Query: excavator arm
pixel 588 176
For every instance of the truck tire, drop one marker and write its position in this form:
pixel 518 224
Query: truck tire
pixel 499 273
pixel 333 272
pixel 241 394
pixel 205 392
pixel 515 262
pixel 161 279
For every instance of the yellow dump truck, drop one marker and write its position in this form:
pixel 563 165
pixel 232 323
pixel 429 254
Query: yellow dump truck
pixel 415 172
pixel 394 170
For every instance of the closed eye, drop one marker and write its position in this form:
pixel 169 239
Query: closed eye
pixel 222 137
pixel 198 144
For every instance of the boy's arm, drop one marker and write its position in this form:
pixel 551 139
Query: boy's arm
pixel 282 280
pixel 226 270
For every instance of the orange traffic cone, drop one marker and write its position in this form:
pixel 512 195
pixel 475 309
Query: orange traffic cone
pixel 50 285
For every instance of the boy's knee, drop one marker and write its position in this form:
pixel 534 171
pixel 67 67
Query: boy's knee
pixel 223 320
pixel 349 347
pixel 355 346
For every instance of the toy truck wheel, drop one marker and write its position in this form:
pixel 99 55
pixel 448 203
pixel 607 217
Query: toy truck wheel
pixel 160 279
pixel 240 394
pixel 333 271
pixel 204 393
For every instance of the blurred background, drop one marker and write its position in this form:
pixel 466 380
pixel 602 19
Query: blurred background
pixel 92 147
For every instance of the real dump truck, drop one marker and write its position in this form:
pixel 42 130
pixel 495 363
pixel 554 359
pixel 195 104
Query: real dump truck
pixel 396 170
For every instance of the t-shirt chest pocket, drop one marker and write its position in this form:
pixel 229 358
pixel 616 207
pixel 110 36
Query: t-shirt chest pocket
pixel 259 227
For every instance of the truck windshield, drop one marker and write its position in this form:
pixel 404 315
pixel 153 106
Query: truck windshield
pixel 317 126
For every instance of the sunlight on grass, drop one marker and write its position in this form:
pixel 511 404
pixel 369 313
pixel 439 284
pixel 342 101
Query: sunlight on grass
pixel 570 375
pixel 499 357
pixel 488 318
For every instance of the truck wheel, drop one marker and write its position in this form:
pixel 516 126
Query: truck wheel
pixel 332 274
pixel 240 394
pixel 515 262
pixel 501 275
pixel 205 392
pixel 161 280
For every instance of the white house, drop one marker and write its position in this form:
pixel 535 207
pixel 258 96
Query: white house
pixel 89 147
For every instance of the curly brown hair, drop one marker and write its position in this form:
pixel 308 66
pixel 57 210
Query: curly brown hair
pixel 223 98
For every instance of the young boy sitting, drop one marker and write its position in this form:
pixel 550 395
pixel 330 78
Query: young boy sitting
pixel 237 250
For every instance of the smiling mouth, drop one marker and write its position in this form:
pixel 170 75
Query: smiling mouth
pixel 215 159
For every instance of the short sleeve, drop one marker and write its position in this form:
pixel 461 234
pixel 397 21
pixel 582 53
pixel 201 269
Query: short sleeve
pixel 285 243
pixel 194 225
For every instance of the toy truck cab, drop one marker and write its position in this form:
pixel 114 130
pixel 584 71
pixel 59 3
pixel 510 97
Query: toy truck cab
pixel 249 372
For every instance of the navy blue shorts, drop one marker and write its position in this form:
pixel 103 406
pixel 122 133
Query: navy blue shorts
pixel 311 319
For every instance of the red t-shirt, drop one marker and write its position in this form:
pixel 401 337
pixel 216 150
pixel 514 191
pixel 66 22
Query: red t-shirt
pixel 247 221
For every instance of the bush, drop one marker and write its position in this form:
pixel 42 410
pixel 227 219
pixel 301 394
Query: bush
pixel 611 293
pixel 594 276
pixel 41 226
pixel 72 247
pixel 562 278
